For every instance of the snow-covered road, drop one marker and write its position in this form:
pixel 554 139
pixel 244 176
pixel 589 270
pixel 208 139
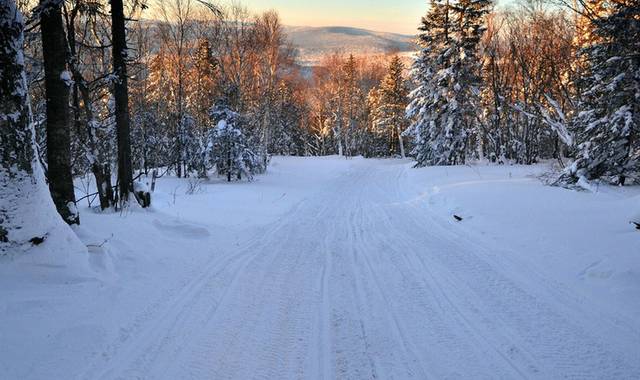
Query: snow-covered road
pixel 360 282
pixel 359 279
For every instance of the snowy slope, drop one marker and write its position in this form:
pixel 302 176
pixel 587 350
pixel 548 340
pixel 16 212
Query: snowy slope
pixel 334 268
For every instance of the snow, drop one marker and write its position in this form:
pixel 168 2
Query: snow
pixel 66 77
pixel 140 187
pixel 336 268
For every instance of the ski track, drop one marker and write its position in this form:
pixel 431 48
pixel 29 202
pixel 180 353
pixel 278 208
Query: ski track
pixel 363 285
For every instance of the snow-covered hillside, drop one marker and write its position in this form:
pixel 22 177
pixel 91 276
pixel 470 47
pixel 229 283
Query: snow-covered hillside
pixel 315 42
pixel 335 268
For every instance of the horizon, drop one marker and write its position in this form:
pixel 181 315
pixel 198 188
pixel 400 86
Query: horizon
pixel 287 25
pixel 391 16
pixel 387 16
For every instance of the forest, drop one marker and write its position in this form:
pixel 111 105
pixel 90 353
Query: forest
pixel 198 189
pixel 124 91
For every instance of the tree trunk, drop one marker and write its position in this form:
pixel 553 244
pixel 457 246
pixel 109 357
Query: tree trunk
pixel 121 96
pixel 57 95
pixel 229 163
pixel 401 143
pixel 101 172
pixel 24 196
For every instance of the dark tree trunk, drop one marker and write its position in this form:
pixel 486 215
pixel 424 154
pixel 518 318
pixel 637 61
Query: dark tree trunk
pixel 121 95
pixel 57 94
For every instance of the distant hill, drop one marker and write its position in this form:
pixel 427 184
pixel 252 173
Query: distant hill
pixel 314 42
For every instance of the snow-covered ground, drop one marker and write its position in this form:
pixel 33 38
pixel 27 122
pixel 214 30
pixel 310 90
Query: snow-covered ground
pixel 334 268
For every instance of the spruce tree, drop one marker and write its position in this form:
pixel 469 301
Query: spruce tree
pixel 229 151
pixel 353 105
pixel 389 117
pixel 607 124
pixel 444 105
pixel 376 142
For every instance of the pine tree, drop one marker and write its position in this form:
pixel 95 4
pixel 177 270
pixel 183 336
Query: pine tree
pixel 26 207
pixel 228 149
pixel 376 141
pixel 607 126
pixel 159 144
pixel 287 136
pixel 389 117
pixel 427 105
pixel 444 105
pixel 201 84
pixel 470 21
pixel 353 104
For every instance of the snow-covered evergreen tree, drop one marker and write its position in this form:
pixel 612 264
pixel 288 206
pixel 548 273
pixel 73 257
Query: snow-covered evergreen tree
pixel 607 126
pixel 389 115
pixel 444 105
pixel 229 151
pixel 353 103
pixel 191 142
pixel 26 208
pixel 287 135
pixel 376 141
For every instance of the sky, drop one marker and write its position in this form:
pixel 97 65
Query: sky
pixel 397 16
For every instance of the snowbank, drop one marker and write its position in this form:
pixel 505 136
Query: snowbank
pixel 581 239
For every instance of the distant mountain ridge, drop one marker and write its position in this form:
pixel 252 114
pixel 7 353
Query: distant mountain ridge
pixel 314 42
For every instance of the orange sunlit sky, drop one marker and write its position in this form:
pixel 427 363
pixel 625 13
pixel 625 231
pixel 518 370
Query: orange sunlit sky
pixel 399 16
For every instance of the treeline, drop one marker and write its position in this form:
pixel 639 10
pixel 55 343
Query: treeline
pixel 187 61
pixel 205 89
pixel 535 82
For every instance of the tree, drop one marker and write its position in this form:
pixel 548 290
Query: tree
pixel 286 134
pixel 229 151
pixel 353 104
pixel 201 86
pixel 445 104
pixel 26 208
pixel 121 96
pixel 274 53
pixel 390 118
pixel 607 124
pixel 470 26
pixel 57 80
pixel 433 140
pixel 175 31
pixel 83 103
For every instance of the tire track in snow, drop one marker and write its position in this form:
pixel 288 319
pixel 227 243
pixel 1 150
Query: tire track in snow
pixel 134 353
pixel 357 283
pixel 526 326
pixel 431 324
pixel 279 344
